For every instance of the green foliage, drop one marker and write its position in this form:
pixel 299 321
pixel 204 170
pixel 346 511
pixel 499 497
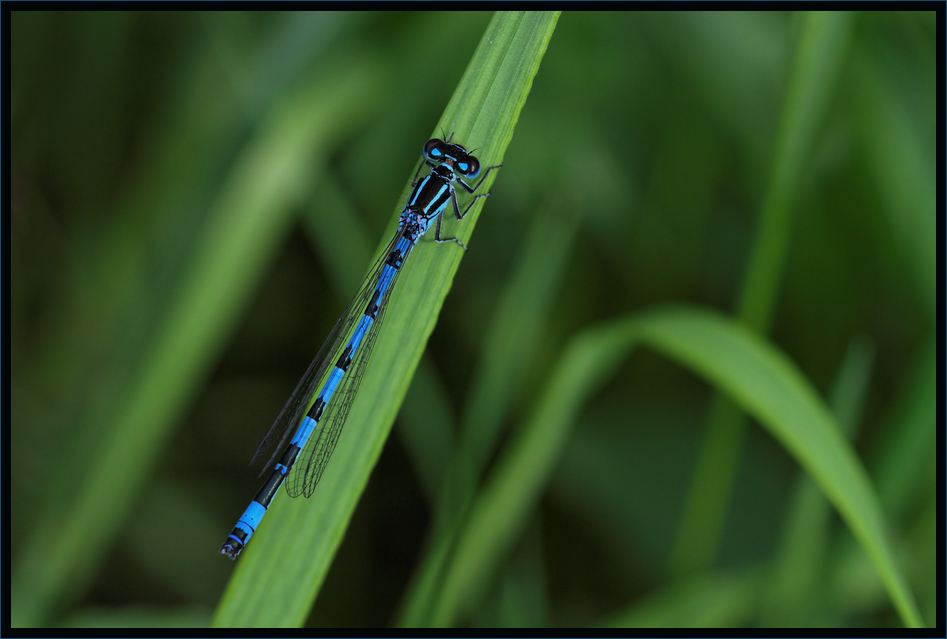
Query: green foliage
pixel 195 196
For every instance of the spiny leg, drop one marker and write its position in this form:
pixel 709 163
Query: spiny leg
pixel 437 230
pixel 472 189
pixel 457 213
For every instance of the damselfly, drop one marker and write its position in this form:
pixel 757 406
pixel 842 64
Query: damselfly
pixel 307 429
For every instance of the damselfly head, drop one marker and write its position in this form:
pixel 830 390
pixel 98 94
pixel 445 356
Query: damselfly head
pixel 453 155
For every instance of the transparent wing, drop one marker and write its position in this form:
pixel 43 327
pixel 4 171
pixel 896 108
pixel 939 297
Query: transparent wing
pixel 298 403
pixel 314 458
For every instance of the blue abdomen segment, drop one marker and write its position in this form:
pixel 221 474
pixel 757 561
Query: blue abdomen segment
pixel 241 533
pixel 305 430
pixel 251 518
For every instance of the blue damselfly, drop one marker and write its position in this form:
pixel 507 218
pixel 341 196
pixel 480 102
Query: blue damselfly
pixel 307 429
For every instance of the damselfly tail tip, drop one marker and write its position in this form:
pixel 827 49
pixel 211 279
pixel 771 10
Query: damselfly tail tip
pixel 230 550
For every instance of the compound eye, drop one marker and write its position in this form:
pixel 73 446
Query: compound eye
pixel 432 149
pixel 469 168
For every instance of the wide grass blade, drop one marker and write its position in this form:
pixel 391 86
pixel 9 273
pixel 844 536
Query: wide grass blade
pixel 279 575
pixel 760 379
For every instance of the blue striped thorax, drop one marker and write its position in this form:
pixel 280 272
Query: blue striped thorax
pixel 432 194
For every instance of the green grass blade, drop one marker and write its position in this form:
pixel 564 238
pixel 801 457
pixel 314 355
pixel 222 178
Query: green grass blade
pixel 904 470
pixel 902 160
pixel 909 446
pixel 279 575
pixel 769 388
pixel 503 507
pixel 761 380
pixel 818 56
pixel 513 331
pixel 796 589
pixel 705 601
pixel 426 428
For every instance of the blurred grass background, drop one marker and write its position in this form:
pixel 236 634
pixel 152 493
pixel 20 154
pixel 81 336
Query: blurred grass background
pixel 639 165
